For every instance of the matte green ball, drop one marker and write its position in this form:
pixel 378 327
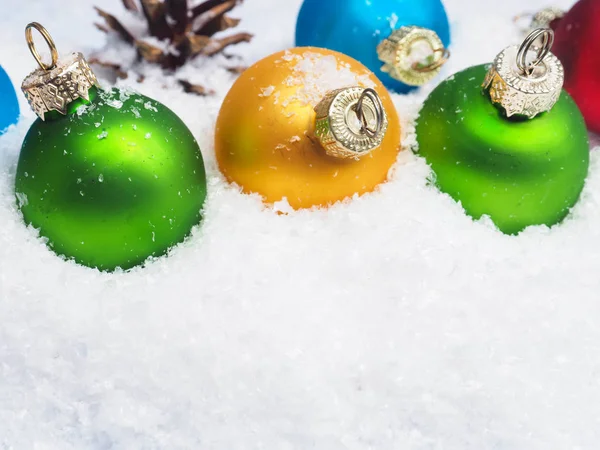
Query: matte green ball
pixel 519 172
pixel 113 182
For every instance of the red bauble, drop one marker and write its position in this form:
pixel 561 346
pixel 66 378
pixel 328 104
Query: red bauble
pixel 577 45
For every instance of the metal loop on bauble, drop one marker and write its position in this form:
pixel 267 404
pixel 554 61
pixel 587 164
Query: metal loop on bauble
pixel 372 95
pixel 435 64
pixel 49 41
pixel 547 36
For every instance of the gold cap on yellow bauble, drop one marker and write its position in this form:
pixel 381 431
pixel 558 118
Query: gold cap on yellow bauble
pixel 267 143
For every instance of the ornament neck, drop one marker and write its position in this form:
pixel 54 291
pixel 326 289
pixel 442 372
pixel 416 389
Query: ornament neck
pixel 350 122
pixel 526 81
pixel 58 86
pixel 72 107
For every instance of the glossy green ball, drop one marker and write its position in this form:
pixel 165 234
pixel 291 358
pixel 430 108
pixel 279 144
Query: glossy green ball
pixel 519 172
pixel 113 182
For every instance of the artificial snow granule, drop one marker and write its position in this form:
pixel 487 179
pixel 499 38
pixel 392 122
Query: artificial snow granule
pixel 289 56
pixel 148 105
pixel 125 93
pixel 21 199
pixel 117 104
pixel 283 206
pixel 81 110
pixel 315 75
pixel 265 92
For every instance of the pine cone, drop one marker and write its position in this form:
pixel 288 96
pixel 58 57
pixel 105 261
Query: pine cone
pixel 187 32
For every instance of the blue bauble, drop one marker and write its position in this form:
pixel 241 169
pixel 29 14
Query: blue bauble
pixel 356 27
pixel 9 105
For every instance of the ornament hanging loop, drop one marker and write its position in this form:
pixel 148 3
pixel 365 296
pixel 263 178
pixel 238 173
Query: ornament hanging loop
pixel 436 64
pixel 372 95
pixel 49 41
pixel 396 52
pixel 350 122
pixel 547 36
pixel 525 88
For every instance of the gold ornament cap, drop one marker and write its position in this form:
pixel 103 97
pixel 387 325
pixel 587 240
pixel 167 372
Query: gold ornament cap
pixel 401 50
pixel 350 122
pixel 522 85
pixel 53 86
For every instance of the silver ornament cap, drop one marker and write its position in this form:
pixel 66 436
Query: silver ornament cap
pixel 398 51
pixel 526 80
pixel 350 122
pixel 53 86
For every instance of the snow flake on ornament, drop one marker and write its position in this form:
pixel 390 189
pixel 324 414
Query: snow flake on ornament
pixel 316 75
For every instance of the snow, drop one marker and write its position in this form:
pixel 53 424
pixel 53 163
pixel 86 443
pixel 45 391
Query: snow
pixel 266 92
pixel 390 321
pixel 318 75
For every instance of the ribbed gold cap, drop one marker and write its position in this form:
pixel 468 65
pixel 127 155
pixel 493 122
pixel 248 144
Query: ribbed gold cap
pixel 350 122
pixel 395 52
pixel 53 86
pixel 523 87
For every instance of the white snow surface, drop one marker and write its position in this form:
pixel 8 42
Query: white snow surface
pixel 391 321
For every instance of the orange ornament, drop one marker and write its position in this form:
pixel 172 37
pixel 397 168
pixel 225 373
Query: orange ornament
pixel 265 134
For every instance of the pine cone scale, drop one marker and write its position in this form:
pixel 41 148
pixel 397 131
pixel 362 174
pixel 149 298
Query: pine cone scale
pixel 184 32
pixel 205 6
pixel 130 6
pixel 115 25
pixel 155 12
pixel 178 11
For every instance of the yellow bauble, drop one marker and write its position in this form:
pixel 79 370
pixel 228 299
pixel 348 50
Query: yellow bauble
pixel 265 138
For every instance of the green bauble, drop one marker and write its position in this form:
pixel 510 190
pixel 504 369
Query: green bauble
pixel 519 172
pixel 115 181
